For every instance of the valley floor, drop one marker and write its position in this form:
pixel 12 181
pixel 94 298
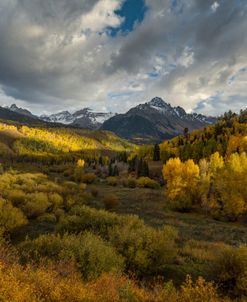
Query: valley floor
pixel 149 205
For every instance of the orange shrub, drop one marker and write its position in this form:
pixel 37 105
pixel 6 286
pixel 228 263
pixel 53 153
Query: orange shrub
pixel 110 201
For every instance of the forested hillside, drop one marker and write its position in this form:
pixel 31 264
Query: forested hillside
pixel 227 136
pixel 40 141
pixel 207 168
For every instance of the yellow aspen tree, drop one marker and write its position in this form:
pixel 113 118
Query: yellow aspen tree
pixel 181 183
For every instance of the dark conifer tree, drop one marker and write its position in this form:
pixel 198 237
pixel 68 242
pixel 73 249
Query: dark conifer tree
pixel 125 157
pixel 156 156
pixel 132 165
pixel 145 169
pixel 140 168
pixel 101 161
pixel 115 171
pixel 110 170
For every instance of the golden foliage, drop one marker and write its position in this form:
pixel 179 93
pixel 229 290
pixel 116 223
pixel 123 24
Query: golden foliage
pixel 29 284
pixel 181 183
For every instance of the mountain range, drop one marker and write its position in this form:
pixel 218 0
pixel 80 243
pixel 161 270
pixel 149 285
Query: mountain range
pixel 150 122
pixel 155 121
pixel 85 118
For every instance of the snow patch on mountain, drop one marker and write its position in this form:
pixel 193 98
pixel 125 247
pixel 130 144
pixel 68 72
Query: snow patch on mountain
pixel 85 118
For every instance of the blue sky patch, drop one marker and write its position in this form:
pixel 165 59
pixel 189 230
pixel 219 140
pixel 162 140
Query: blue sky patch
pixel 153 74
pixel 133 11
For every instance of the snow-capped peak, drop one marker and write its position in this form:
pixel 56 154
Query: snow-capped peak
pixel 63 117
pixel 158 103
pixel 85 117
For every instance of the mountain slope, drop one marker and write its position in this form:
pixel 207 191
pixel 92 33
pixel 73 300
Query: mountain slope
pixel 155 121
pixel 22 111
pixel 7 114
pixel 85 118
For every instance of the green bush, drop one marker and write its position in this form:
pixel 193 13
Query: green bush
pixel 88 178
pixel 59 213
pixel 81 218
pixel 112 181
pixel 70 185
pixel 10 217
pixel 17 197
pixel 92 255
pixel 48 217
pixel 56 200
pixel 132 183
pixel 36 205
pixel 146 182
pixel 146 250
pixel 129 182
pixel 230 270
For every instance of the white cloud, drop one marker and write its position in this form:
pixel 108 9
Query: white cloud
pixel 215 6
pixel 102 16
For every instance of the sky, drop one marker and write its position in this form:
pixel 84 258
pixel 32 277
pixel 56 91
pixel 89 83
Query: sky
pixel 111 55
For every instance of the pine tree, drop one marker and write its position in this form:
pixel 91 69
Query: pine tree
pixel 145 169
pixel 156 155
pixel 124 157
pixel 110 170
pixel 132 165
pixel 100 161
pixel 140 168
pixel 115 171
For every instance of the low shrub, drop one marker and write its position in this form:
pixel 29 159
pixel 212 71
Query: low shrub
pixel 88 178
pixel 94 191
pixel 48 217
pixel 28 284
pixel 17 197
pixel 82 218
pixel 70 185
pixel 59 213
pixel 36 204
pixel 230 270
pixel 92 255
pixel 129 182
pixel 145 249
pixel 146 182
pixel 10 217
pixel 110 201
pixel 56 200
pixel 112 181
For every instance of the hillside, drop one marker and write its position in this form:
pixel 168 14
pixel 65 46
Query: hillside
pixel 31 141
pixel 9 114
pixel 227 136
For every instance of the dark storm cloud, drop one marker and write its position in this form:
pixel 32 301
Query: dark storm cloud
pixel 40 58
pixel 59 52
